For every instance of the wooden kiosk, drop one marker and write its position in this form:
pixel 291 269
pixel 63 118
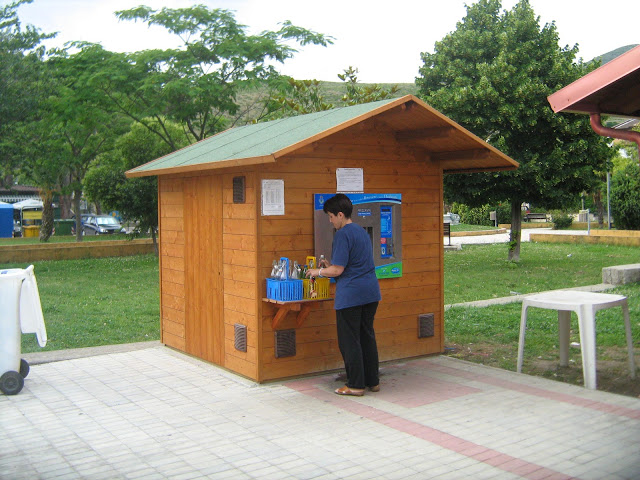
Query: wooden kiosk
pixel 217 245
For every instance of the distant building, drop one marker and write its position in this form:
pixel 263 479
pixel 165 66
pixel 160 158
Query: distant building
pixel 17 193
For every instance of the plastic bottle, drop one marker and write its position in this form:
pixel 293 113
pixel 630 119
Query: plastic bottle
pixel 283 270
pixel 295 270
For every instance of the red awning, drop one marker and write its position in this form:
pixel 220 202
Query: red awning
pixel 612 89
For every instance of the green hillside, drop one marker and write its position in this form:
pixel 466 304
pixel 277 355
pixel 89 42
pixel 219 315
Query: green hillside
pixel 607 57
pixel 251 101
pixel 333 91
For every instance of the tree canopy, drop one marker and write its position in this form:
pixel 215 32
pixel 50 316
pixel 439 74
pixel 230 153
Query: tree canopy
pixel 493 75
pixel 289 97
pixel 196 85
pixel 21 83
pixel 61 114
pixel 136 199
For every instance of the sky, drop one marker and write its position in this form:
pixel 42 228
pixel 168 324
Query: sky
pixel 383 39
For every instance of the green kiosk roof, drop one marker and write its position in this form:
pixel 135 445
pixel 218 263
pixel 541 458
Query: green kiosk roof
pixel 265 142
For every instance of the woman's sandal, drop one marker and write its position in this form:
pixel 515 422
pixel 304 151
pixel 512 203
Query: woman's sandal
pixel 354 392
pixel 375 388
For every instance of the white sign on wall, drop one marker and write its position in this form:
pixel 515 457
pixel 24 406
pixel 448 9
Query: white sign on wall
pixel 272 197
pixel 349 180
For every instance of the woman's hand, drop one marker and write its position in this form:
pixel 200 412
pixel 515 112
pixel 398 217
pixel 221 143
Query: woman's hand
pixel 313 272
pixel 330 271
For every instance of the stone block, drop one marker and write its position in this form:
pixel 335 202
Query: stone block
pixel 621 274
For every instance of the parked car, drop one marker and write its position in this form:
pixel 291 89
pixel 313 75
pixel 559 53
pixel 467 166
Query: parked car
pixel 101 225
pixel 83 219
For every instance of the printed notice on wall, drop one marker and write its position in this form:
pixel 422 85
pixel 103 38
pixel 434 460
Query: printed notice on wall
pixel 272 197
pixel 349 180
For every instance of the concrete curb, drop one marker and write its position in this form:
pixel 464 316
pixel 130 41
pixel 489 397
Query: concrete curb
pixel 475 233
pixel 36 358
pixel 518 297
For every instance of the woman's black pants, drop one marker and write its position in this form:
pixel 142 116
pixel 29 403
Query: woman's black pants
pixel 357 342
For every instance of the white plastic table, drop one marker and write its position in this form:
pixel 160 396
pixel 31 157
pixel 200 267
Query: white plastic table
pixel 585 304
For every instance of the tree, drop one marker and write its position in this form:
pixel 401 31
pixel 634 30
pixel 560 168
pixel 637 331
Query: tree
pixel 135 198
pixel 21 86
pixel 492 75
pixel 290 97
pixel 629 151
pixel 357 94
pixel 74 119
pixel 196 85
pixel 44 164
pixel 625 197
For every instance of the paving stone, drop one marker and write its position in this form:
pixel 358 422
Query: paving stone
pixel 113 422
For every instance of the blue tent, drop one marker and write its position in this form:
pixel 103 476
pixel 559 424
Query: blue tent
pixel 6 220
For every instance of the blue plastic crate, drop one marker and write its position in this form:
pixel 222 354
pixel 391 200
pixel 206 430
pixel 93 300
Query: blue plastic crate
pixel 284 290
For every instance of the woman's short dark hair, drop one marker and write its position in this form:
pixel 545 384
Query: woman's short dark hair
pixel 338 203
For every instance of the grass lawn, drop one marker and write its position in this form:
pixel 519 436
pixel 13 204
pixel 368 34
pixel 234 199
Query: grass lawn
pixel 100 301
pixel 63 239
pixel 479 272
pixel 463 227
pixel 500 325
pixel 490 335
pixel 116 300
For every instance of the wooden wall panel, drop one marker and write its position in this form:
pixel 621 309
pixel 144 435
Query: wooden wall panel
pixel 173 224
pixel 388 168
pixel 239 273
pixel 239 241
pixel 216 254
pixel 171 250
pixel 204 332
pixel 171 241
pixel 174 315
pixel 241 305
pixel 173 236
pixel 232 317
pixel 174 341
pixel 174 328
pixel 248 368
pixel 246 243
pixel 172 275
pixel 208 260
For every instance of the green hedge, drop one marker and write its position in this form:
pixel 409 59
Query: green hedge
pixel 481 215
pixel 561 220
pixel 625 198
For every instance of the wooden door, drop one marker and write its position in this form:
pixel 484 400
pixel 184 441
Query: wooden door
pixel 204 325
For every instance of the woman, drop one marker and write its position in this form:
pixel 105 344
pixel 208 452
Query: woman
pixel 357 297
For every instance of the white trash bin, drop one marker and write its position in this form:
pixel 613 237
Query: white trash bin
pixel 20 311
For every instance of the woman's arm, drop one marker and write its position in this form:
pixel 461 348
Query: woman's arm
pixel 330 271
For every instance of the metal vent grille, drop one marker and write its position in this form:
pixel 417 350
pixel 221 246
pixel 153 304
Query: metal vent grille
pixel 238 189
pixel 240 337
pixel 426 325
pixel 285 343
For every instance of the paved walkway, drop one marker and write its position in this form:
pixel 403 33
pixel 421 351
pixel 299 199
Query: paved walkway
pixel 148 412
pixel 159 414
pixel 505 237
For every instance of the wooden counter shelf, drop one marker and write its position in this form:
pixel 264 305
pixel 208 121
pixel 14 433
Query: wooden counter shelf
pixel 303 307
